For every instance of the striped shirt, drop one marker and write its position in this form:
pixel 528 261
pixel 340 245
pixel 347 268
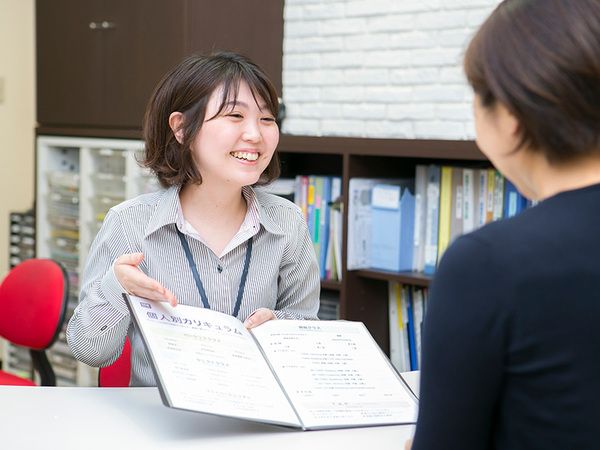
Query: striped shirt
pixel 283 274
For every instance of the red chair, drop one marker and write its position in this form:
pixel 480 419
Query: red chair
pixel 119 372
pixel 33 304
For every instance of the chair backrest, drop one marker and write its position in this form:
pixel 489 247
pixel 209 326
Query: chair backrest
pixel 118 373
pixel 33 301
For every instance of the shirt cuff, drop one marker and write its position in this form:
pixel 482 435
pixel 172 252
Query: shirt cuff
pixel 113 291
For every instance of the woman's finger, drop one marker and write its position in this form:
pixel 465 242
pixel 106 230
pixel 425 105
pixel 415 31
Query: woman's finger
pixel 259 317
pixel 131 259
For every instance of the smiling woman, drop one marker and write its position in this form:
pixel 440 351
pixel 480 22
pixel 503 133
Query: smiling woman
pixel 208 239
pixel 192 95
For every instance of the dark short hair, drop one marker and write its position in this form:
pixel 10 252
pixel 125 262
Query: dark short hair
pixel 187 89
pixel 541 59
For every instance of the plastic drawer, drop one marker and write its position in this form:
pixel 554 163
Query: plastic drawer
pixel 109 161
pixel 109 185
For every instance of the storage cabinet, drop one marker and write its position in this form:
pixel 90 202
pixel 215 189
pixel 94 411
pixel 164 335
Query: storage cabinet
pixel 78 180
pixel 99 60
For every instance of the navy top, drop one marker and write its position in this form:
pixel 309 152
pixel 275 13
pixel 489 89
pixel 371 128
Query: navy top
pixel 511 343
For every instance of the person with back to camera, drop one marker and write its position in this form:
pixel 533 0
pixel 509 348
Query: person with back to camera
pixel 208 239
pixel 512 333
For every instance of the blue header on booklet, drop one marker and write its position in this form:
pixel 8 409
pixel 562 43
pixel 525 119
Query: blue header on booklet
pixel 392 228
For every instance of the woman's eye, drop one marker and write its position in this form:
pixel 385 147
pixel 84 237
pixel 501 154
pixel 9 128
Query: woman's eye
pixel 268 119
pixel 235 115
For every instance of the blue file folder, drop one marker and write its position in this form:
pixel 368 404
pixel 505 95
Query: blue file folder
pixel 392 227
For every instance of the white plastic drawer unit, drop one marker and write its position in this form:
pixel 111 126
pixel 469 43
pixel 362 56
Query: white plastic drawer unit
pixel 78 181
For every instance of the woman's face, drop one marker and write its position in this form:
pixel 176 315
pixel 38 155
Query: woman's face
pixel 236 146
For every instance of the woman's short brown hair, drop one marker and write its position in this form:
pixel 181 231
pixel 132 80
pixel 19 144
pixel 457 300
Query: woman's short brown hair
pixel 541 59
pixel 187 89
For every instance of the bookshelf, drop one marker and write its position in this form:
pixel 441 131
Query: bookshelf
pixel 364 293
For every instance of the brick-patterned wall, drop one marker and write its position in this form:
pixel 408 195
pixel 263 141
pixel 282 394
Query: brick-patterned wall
pixel 379 68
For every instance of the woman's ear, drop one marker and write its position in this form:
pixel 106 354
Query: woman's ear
pixel 508 121
pixel 176 124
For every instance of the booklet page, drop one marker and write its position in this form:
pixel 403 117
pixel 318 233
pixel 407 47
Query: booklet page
pixel 335 374
pixel 208 362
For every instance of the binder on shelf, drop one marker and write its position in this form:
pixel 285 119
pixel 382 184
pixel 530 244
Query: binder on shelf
pixel 514 202
pixel 481 198
pixel 470 197
pixel 432 218
pixel 359 222
pixel 457 204
pixel 399 351
pixel 419 313
pixel 420 218
pixel 498 195
pixel 412 339
pixel 333 269
pixel 392 228
pixel 445 210
pixel 324 184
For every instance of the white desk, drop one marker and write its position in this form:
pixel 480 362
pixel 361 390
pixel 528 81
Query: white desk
pixel 135 418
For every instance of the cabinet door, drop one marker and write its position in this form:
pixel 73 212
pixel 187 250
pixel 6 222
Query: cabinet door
pixel 69 66
pixel 144 40
pixel 99 60
pixel 251 27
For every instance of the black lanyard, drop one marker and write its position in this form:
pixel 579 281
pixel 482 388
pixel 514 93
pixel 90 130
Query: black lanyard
pixel 198 281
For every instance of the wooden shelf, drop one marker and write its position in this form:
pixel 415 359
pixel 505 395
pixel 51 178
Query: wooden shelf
pixel 405 148
pixel 110 133
pixel 331 285
pixel 412 278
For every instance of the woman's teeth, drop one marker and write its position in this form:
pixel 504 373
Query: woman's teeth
pixel 245 155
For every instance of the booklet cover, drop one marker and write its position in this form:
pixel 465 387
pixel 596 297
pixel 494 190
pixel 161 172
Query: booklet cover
pixel 298 373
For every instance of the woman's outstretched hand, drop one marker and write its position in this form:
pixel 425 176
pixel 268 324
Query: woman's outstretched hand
pixel 137 283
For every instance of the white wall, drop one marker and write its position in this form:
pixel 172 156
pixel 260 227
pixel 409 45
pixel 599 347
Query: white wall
pixel 17 113
pixel 379 68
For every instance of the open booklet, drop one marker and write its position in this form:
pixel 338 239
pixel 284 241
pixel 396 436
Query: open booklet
pixel 297 373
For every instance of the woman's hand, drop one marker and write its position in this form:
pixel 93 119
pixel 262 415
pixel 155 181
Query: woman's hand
pixel 137 283
pixel 260 316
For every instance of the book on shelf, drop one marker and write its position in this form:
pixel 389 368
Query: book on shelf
pixel 420 212
pixel 514 202
pixel 334 248
pixel 457 203
pixel 319 198
pixel 399 350
pixel 432 214
pixel 392 227
pixel 407 305
pixel 297 373
pixel 445 209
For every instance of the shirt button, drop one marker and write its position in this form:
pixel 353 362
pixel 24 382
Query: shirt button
pixel 219 268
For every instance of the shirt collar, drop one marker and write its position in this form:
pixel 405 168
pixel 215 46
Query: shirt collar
pixel 168 209
pixel 165 212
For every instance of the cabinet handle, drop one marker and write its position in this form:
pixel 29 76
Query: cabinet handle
pixel 104 25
